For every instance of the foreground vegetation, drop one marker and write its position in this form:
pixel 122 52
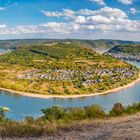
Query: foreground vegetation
pixel 57 118
pixel 67 68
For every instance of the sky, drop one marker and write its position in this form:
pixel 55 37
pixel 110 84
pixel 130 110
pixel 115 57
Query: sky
pixel 65 19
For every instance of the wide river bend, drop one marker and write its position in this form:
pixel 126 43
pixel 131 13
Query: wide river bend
pixel 22 106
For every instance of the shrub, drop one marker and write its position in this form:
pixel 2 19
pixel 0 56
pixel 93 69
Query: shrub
pixel 117 110
pixel 2 114
pixel 133 108
pixel 54 113
pixel 77 114
pixel 95 111
pixel 10 129
pixel 29 120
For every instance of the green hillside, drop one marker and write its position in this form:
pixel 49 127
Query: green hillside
pixel 130 49
pixel 62 69
pixel 100 45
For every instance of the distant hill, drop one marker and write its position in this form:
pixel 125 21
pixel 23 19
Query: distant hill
pixel 105 45
pixel 125 52
pixel 101 45
pixel 130 49
pixel 9 44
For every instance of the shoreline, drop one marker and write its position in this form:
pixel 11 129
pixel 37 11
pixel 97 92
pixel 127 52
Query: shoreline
pixel 72 96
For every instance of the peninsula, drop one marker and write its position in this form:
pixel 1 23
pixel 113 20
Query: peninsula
pixel 63 69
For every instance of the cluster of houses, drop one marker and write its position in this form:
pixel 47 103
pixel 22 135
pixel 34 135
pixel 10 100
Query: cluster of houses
pixel 29 74
pixel 91 82
pixel 115 74
pixel 57 75
pixel 88 77
pixel 125 56
pixel 60 75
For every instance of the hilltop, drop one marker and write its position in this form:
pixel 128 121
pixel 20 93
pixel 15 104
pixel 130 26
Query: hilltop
pixel 100 45
pixel 62 69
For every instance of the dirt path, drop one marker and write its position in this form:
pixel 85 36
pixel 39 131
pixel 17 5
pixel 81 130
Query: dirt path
pixel 124 128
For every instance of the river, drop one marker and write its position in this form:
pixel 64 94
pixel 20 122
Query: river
pixel 27 106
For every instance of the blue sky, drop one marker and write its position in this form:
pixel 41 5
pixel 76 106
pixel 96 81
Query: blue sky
pixel 84 19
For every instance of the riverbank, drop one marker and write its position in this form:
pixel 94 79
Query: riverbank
pixel 72 96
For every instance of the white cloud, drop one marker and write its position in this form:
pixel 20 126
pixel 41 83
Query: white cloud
pixel 126 2
pixel 100 19
pixel 65 13
pixel 100 2
pixel 28 29
pixel 82 23
pixel 105 11
pixel 111 12
pixel 2 8
pixel 51 13
pixel 80 19
pixel 68 13
pixel 103 19
pixel 60 27
pixel 134 11
pixel 86 12
pixel 2 26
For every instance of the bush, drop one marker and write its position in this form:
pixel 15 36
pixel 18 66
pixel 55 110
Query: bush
pixel 117 110
pixel 10 129
pixel 95 111
pixel 54 113
pixel 2 115
pixel 77 114
pixel 133 108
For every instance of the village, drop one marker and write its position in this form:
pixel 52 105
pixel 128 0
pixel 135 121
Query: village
pixel 125 56
pixel 87 78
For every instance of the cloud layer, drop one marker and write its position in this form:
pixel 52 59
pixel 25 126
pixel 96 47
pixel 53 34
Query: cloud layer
pixel 127 2
pixel 105 22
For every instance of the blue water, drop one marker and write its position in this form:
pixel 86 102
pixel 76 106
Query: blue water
pixel 27 106
pixel 2 50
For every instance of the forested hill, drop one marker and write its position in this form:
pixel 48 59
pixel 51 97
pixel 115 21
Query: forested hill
pixel 98 45
pixel 130 49
pixel 103 45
